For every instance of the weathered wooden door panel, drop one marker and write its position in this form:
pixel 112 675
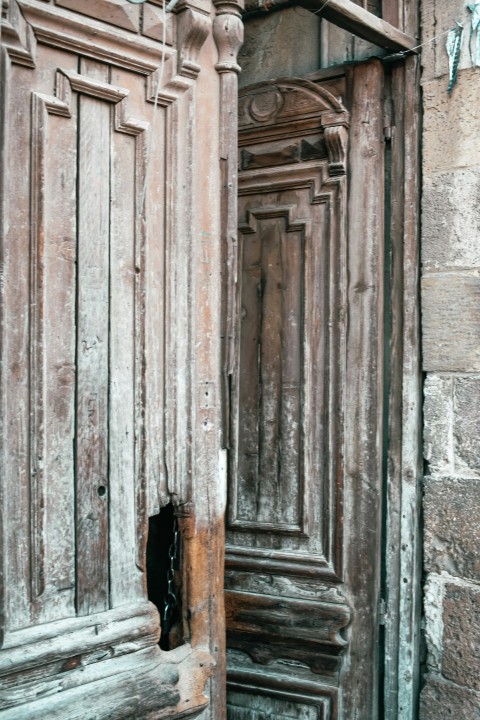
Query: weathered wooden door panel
pixel 304 522
pixel 110 332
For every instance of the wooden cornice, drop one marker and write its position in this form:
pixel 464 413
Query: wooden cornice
pixel 349 16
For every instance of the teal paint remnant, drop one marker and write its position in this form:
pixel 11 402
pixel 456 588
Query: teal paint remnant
pixel 454 46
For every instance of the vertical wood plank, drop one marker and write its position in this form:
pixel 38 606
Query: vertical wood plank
pixel 393 364
pixel 292 260
pixel 92 348
pixel 403 561
pixel 122 364
pixel 270 350
pixel 410 513
pixel 248 398
pixel 154 214
pixel 392 12
pixel 15 475
pixel 59 299
pixel 363 428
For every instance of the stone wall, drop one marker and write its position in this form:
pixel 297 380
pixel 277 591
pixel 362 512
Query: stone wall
pixel 451 360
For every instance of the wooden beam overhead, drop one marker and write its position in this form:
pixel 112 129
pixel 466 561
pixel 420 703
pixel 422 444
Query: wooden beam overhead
pixel 353 18
pixel 349 16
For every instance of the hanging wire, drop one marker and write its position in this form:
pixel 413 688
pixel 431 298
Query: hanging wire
pixel 322 8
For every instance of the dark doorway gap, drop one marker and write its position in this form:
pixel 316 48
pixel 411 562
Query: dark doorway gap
pixel 161 536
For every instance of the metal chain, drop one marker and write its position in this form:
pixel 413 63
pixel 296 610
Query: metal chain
pixel 171 600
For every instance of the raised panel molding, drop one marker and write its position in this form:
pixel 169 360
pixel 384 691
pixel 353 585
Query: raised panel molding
pixel 17 36
pixel 170 70
pixel 271 628
pixel 286 430
pixel 276 695
pixel 177 74
pixel 114 12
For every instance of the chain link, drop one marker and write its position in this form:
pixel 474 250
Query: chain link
pixel 171 600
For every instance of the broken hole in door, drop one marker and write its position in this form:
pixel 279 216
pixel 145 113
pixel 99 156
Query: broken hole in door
pixel 164 576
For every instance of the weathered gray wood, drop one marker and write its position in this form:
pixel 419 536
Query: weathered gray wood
pixel 228 36
pixel 53 355
pixel 103 280
pixel 404 464
pixel 409 639
pixel 359 21
pixel 126 350
pixel 40 646
pixel 267 628
pixel 14 472
pixel 114 12
pixel 92 349
pixel 161 685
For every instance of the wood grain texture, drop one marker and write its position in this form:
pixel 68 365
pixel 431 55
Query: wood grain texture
pixel 92 350
pixel 92 38
pixel 127 490
pixel 285 472
pixel 250 690
pixel 404 455
pixel 268 627
pixel 286 460
pixel 84 285
pixel 150 682
pixel 364 410
pixel 114 12
pixel 354 18
pixel 52 358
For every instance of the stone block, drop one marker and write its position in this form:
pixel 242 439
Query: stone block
pixel 452 526
pixel 450 220
pixel 441 700
pixel 467 426
pixel 450 123
pixel 461 635
pixel 451 322
pixel 438 424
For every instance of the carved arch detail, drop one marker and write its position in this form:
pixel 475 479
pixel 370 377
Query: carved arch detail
pixel 292 107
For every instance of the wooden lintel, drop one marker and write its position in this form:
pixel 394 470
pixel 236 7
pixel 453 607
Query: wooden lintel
pixel 347 15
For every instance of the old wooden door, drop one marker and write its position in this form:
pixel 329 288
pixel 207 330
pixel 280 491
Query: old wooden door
pixel 305 565
pixel 110 362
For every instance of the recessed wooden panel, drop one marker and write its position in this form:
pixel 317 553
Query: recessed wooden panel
pixel 268 627
pixel 285 472
pixel 269 485
pixel 243 706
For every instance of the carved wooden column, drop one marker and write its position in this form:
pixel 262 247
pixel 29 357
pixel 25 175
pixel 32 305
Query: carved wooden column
pixel 228 35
